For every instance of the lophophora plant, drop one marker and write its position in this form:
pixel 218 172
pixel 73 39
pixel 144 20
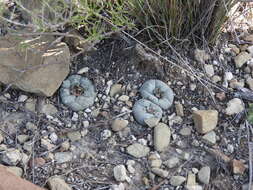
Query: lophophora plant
pixel 77 93
pixel 157 96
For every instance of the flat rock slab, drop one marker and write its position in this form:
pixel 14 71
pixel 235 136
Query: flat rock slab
pixel 31 66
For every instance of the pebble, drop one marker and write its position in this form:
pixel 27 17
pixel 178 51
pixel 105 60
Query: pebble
pixel 119 124
pixel 216 78
pixel 22 138
pixel 11 157
pixel 154 160
pixel 238 167
pixel 49 109
pixel 115 89
pixel 204 174
pixel 191 181
pixel 250 50
pixel 74 117
pixel 37 162
pixel 152 122
pixel 1 138
pixel 119 173
pixel 86 124
pixel 65 146
pixel 117 187
pixel 209 70
pixel 177 180
pixel 28 146
pixel 57 183
pixel 179 109
pixel 31 126
pixel 138 150
pixel 83 70
pixel 15 170
pixel 205 120
pixel 30 104
pixel 210 138
pixel 228 76
pixel 53 137
pixel 130 166
pixel 249 81
pixel 241 59
pixel 186 131
pixel 74 136
pixel 123 98
pixel 193 86
pixel 234 106
pixel 201 55
pixel 160 172
pixel 106 134
pixel 63 157
pixel 45 143
pixel 22 98
pixel 162 135
pixel 172 162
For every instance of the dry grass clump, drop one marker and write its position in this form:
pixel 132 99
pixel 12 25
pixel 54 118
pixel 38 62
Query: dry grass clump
pixel 182 19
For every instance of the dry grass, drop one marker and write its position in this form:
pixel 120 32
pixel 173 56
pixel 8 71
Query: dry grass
pixel 175 20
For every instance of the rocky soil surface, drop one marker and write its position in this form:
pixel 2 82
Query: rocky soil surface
pixel 201 142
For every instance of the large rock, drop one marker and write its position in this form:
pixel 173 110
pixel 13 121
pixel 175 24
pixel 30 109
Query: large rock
pixel 205 120
pixel 30 66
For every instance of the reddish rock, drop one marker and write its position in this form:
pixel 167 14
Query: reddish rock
pixel 238 167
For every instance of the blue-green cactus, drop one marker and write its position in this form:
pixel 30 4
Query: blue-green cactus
pixel 145 109
pixel 157 92
pixel 77 93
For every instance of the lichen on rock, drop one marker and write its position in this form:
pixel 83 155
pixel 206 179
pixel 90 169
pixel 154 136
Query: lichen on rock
pixel 157 92
pixel 77 93
pixel 144 109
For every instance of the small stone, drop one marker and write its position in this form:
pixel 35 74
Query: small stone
pixel 154 160
pixel 172 162
pixel 234 106
pixel 45 143
pixel 249 81
pixel 37 162
pixel 216 78
pixel 119 173
pixel 241 59
pixel 179 109
pixel 86 124
pixel 177 180
pixel 83 70
pixel 62 157
pixel 161 137
pixel 11 157
pixel 130 166
pixel 205 120
pixel 74 136
pixel 119 124
pixel 22 138
pixel 117 187
pixel 234 48
pixel 56 183
pixel 152 122
pixel 250 50
pixel 53 137
pixel 22 98
pixel 123 98
pixel 137 150
pixel 201 55
pixel 186 131
pixel 193 86
pixel 160 172
pixel 228 76
pixel 209 70
pixel 115 89
pixel 49 109
pixel 221 96
pixel 31 126
pixel 210 138
pixel 28 146
pixel 191 181
pixel 30 105
pixel 106 134
pixel 204 175
pixel 75 117
pixel 15 170
pixel 238 167
pixel 1 138
pixel 65 146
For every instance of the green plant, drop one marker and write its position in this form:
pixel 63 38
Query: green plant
pixel 182 19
